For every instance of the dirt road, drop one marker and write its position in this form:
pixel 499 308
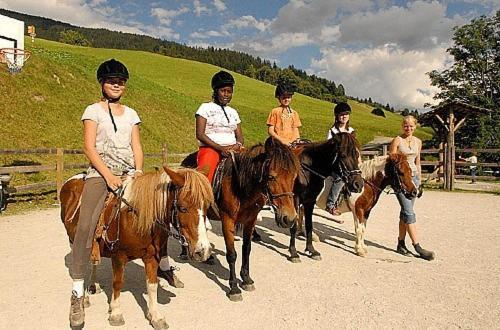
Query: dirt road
pixel 461 289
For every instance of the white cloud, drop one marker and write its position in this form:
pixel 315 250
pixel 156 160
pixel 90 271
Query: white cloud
pixel 386 73
pixel 219 5
pixel 247 21
pixel 420 25
pixel 312 15
pixel 207 34
pixel 165 16
pixel 199 8
pixel 329 34
pixel 277 45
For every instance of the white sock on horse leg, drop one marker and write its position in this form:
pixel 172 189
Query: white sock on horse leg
pixel 208 225
pixel 78 287
pixel 164 263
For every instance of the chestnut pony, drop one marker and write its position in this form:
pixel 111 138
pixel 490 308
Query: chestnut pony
pixel 259 175
pixel 139 227
pixel 319 160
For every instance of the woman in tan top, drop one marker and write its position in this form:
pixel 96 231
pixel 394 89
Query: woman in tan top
pixel 409 145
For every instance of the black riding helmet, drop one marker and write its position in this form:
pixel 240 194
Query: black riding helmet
pixel 111 69
pixel 222 79
pixel 283 88
pixel 341 108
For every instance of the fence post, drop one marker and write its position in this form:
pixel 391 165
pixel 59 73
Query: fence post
pixel 59 170
pixel 384 150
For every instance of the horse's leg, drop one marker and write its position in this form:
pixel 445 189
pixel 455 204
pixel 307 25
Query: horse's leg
pixel 248 228
pixel 156 319
pixel 310 250
pixel 231 255
pixel 116 316
pixel 359 226
pixel 294 256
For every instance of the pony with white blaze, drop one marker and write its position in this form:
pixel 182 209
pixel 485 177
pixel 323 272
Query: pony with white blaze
pixel 137 225
pixel 378 173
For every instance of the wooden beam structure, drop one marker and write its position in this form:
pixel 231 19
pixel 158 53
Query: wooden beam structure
pixel 450 116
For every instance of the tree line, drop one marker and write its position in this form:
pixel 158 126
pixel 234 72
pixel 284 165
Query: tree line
pixel 248 65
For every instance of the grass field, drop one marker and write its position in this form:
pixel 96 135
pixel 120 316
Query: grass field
pixel 41 107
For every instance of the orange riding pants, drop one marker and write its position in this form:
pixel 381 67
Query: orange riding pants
pixel 208 157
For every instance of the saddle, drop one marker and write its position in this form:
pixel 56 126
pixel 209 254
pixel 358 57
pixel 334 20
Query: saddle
pixel 106 228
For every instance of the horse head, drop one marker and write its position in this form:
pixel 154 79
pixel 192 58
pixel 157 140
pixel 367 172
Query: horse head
pixel 280 169
pixel 400 175
pixel 345 163
pixel 190 196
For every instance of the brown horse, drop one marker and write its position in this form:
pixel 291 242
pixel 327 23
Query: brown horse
pixel 140 227
pixel 319 160
pixel 250 179
pixel 378 173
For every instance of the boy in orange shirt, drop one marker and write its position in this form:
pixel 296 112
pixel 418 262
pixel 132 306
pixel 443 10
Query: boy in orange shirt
pixel 284 122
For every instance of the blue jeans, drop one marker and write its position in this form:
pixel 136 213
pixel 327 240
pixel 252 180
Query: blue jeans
pixel 334 194
pixel 407 214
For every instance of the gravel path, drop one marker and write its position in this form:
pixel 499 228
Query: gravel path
pixel 461 289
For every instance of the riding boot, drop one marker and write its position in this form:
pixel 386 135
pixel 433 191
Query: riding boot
pixel 170 276
pixel 423 253
pixel 401 249
pixel 76 311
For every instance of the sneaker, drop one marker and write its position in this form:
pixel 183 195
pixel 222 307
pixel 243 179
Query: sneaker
pixel 333 211
pixel 170 276
pixel 76 311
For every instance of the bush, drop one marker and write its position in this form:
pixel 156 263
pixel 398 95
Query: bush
pixel 73 37
pixel 378 112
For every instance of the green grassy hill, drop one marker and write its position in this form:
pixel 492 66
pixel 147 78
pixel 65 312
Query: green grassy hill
pixel 41 107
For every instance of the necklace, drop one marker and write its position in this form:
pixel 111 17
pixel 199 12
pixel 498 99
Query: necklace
pixel 286 113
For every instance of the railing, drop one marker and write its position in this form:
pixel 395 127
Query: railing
pixel 59 165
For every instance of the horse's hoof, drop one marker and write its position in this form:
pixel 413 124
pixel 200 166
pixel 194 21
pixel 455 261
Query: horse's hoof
pixel 160 324
pixel 116 320
pixel 248 287
pixel 316 257
pixel 361 253
pixel 294 260
pixel 94 289
pixel 235 297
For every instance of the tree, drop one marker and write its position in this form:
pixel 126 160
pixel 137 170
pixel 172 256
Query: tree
pixel 474 78
pixel 73 37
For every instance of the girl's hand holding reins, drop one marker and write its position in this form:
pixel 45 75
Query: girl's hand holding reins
pixel 225 150
pixel 114 182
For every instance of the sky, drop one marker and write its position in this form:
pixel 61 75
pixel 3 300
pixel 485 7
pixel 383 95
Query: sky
pixel 380 49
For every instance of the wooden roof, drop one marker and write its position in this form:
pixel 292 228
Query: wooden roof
pixel 460 110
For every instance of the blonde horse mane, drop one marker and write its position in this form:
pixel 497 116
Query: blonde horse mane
pixel 149 196
pixel 370 167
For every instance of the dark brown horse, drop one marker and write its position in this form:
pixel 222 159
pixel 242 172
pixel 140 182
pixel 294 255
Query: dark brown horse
pixel 151 204
pixel 378 173
pixel 319 160
pixel 259 175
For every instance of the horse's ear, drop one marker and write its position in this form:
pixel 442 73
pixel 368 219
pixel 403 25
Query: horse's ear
pixel 204 170
pixel 177 179
pixel 269 144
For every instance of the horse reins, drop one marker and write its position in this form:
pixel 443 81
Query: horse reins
pixel 267 191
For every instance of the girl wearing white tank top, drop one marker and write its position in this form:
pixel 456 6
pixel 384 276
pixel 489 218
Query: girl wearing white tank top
pixel 410 146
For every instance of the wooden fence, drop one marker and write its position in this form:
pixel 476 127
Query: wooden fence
pixel 59 165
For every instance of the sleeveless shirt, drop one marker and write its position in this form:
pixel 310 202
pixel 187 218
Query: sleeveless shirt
pixel 410 152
